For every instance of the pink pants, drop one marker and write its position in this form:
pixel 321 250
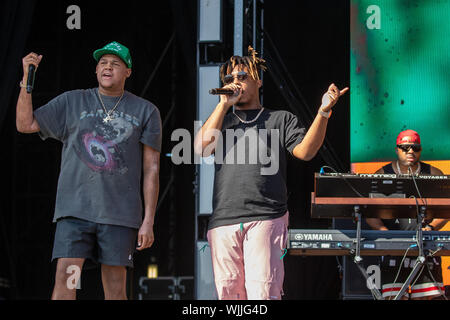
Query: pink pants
pixel 247 259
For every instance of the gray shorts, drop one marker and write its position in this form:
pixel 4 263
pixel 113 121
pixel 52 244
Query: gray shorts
pixel 98 243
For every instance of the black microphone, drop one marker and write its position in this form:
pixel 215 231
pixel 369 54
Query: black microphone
pixel 221 91
pixel 30 80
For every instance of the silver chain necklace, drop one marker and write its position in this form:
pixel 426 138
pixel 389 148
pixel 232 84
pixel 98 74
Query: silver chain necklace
pixel 249 121
pixel 108 113
pixel 400 172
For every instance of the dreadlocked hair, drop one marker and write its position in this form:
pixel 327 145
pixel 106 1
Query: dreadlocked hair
pixel 251 61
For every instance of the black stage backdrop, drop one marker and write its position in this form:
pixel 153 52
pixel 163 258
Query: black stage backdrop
pixel 312 40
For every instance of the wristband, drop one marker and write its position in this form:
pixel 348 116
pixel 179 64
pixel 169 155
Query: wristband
pixel 324 114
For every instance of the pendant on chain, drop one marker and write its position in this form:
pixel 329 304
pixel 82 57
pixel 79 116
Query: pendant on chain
pixel 107 119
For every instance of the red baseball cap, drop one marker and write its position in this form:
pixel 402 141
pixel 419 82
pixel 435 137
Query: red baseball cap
pixel 408 136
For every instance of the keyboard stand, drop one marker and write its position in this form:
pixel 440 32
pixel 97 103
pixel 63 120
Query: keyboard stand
pixel 421 257
pixel 358 259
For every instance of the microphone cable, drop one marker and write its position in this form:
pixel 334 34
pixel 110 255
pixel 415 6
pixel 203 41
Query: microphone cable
pixel 424 200
pixel 425 203
pixel 400 266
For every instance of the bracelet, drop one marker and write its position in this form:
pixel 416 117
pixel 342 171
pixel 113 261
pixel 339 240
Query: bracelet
pixel 324 114
pixel 22 85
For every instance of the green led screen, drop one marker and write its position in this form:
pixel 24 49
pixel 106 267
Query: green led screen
pixel 400 77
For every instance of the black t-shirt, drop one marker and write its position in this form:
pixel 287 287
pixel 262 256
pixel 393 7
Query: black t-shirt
pixel 403 224
pixel 250 166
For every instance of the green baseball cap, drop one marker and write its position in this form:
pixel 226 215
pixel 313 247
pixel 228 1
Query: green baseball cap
pixel 114 48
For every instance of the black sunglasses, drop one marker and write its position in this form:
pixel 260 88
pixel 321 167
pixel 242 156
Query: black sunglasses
pixel 229 78
pixel 407 147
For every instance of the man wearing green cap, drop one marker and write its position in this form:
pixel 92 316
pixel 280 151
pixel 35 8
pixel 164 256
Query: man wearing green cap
pixel 110 139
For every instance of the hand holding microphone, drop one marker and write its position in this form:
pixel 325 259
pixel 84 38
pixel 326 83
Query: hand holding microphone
pixel 229 94
pixel 30 64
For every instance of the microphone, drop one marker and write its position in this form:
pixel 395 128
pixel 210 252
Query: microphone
pixel 30 80
pixel 221 91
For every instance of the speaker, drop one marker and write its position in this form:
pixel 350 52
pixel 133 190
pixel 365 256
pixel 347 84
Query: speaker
pixel 161 288
pixel 354 285
pixel 166 288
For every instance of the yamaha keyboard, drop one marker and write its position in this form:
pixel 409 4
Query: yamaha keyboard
pixel 332 242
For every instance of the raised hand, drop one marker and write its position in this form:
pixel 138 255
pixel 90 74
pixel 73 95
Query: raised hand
pixel 31 58
pixel 330 97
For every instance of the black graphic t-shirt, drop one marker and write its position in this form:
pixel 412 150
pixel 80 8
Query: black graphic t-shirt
pixel 250 166
pixel 101 161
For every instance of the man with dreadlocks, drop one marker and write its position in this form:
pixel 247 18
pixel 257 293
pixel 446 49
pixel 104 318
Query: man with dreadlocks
pixel 247 232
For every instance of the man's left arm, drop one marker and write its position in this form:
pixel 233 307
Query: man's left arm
pixel 150 166
pixel 435 224
pixel 313 140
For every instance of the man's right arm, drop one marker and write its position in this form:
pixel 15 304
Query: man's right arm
pixel 206 138
pixel 25 121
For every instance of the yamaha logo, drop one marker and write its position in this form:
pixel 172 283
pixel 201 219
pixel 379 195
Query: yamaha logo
pixel 314 236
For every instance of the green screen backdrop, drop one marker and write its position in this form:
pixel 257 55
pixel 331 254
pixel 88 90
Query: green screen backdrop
pixel 400 77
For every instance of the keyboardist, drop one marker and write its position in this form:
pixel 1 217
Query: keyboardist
pixel 429 279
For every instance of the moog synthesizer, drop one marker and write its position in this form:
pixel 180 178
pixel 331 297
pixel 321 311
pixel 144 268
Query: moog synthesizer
pixel 381 185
